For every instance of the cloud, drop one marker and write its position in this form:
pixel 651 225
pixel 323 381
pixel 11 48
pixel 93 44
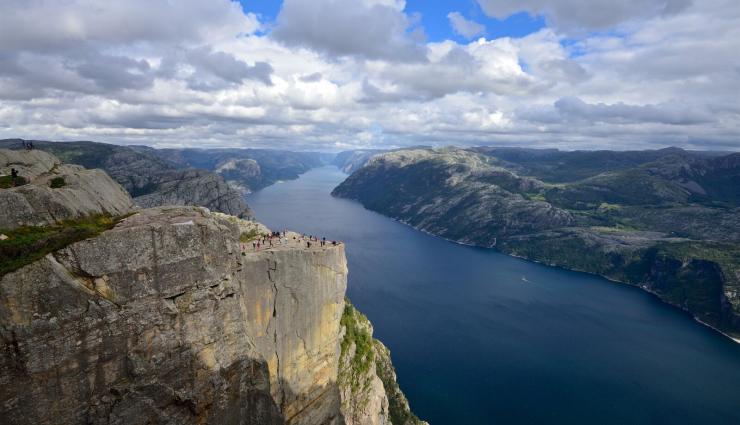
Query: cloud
pixel 339 74
pixel 585 14
pixel 575 109
pixel 464 27
pixel 51 25
pixel 225 67
pixel 371 29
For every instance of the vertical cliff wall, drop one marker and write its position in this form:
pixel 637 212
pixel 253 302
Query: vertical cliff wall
pixel 165 318
pixel 168 318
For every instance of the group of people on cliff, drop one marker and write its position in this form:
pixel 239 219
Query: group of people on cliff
pixel 280 238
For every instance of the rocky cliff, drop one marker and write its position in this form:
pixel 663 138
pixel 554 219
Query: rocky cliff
pixel 171 317
pixel 151 180
pixel 53 191
pixel 661 225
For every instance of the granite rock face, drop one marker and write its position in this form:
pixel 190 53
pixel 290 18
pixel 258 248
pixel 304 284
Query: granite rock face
pixel 193 187
pixel 163 320
pixel 170 317
pixel 83 192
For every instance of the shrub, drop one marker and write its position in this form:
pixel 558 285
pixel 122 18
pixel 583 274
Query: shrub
pixel 249 236
pixel 6 182
pixel 57 182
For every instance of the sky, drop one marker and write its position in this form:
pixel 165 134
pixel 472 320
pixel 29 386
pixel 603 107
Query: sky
pixel 332 75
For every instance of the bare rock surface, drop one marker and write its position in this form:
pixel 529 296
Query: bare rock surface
pixel 170 317
pixel 193 187
pixel 84 192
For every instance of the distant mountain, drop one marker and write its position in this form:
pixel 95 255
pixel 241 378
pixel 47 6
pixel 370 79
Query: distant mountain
pixel 247 169
pixel 666 220
pixel 351 161
pixel 214 178
pixel 556 166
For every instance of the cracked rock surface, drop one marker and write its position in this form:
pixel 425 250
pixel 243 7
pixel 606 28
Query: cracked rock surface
pixel 85 192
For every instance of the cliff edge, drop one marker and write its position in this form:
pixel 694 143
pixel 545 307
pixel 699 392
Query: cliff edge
pixel 172 317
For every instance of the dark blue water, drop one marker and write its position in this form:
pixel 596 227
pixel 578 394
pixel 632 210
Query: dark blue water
pixel 478 337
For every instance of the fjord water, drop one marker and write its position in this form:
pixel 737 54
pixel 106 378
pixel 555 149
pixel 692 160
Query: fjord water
pixel 478 337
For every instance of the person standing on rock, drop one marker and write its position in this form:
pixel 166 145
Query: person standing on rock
pixel 14 176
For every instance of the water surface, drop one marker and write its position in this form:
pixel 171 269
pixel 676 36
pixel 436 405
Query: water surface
pixel 478 337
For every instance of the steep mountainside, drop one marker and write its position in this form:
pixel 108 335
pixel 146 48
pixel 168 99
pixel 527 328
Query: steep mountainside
pixel 170 317
pixel 149 179
pixel 659 224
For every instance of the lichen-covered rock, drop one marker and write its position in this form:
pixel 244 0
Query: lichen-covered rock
pixel 82 192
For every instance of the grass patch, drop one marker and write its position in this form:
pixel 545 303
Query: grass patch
pixel 359 335
pixel 57 182
pixel 535 196
pixel 6 182
pixel 29 243
pixel 354 371
pixel 249 236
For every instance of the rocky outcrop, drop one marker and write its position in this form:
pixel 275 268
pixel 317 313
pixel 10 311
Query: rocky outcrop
pixel 154 181
pixel 78 192
pixel 193 187
pixel 164 318
pixel 242 174
pixel 171 317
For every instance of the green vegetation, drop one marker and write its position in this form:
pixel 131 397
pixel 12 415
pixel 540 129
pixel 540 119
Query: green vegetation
pixel 30 243
pixel 6 182
pixel 352 321
pixel 57 182
pixel 249 236
pixel 535 196
pixel 353 372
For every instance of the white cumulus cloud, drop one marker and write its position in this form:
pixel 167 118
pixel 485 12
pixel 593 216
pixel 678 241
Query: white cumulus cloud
pixel 465 27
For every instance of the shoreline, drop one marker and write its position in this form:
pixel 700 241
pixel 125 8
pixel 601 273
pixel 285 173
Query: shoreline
pixel 619 282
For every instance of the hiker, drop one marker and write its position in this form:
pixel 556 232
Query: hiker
pixel 254 245
pixel 30 146
pixel 308 244
pixel 323 241
pixel 14 176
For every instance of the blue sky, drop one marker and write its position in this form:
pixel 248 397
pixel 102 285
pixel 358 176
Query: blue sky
pixel 434 18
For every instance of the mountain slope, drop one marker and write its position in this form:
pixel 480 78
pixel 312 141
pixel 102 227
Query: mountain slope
pixel 637 225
